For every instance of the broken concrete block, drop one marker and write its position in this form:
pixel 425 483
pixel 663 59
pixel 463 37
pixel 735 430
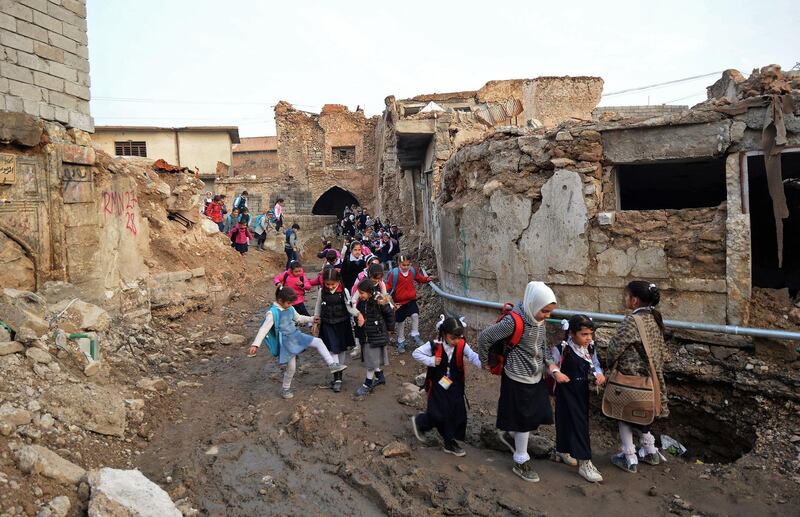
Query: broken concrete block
pixel 94 408
pixel 58 507
pixel 152 384
pixel 127 493
pixel 563 136
pixel 209 226
pixel 23 310
pixel 35 459
pixel 81 316
pixel 697 349
pixel 72 153
pixel 38 355
pixel 10 347
pixel 560 163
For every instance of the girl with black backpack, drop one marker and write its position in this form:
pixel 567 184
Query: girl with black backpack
pixel 334 307
pixel 445 381
pixel 375 321
pixel 524 403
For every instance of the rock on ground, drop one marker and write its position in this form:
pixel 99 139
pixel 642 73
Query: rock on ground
pixel 79 315
pixel 38 355
pixel 538 446
pixel 411 395
pixel 396 449
pixel 152 384
pixel 95 408
pixel 58 507
pixel 127 493
pixel 23 310
pixel 232 339
pixel 35 459
pixel 10 347
pixel 14 415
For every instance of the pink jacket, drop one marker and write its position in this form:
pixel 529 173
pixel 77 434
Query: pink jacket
pixel 243 236
pixel 300 284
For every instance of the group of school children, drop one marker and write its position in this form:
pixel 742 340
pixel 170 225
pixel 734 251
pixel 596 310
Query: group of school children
pixel 355 287
pixel 238 225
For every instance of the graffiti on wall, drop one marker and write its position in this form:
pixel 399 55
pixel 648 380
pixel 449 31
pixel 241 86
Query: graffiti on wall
pixel 78 184
pixel 8 174
pixel 122 206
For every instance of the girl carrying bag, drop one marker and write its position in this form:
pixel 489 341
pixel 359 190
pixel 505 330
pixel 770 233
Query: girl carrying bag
pixel 631 398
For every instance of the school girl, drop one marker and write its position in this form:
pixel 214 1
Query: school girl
pixel 577 359
pixel 444 382
pixel 334 308
pixel 295 278
pixel 524 403
pixel 331 260
pixel 626 353
pixel 400 284
pixel 375 321
pixel 280 325
pixel 376 274
pixel 353 263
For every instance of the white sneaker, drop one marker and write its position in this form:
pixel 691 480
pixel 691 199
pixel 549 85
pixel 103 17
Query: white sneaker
pixel 565 458
pixel 589 472
pixel 356 352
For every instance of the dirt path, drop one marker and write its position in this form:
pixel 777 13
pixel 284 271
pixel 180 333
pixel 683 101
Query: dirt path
pixel 320 453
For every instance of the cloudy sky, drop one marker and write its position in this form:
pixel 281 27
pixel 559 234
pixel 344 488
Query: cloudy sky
pixel 207 62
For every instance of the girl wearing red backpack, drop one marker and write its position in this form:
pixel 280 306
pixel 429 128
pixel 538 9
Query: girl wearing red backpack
pixel 295 278
pixel 400 284
pixel 447 410
pixel 524 402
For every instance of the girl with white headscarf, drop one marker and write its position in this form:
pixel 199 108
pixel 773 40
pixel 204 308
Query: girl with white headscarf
pixel 524 403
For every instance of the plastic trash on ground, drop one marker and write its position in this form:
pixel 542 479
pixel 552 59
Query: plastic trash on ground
pixel 672 446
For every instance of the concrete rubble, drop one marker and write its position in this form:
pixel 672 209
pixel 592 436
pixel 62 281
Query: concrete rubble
pixel 127 493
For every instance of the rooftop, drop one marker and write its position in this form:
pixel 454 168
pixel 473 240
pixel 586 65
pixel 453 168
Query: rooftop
pixel 233 131
pixel 256 143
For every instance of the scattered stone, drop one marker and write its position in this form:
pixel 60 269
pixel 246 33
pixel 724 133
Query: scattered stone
pixel 35 459
pixel 212 451
pixel 396 449
pixel 38 355
pixel 127 493
pixel 10 347
pixel 563 136
pixel 410 395
pixel 58 507
pixel 419 380
pixel 13 415
pixel 749 366
pixel 23 311
pixel 232 339
pixel 560 163
pixel 653 492
pixel 47 421
pixel 95 408
pixel 92 369
pixel 722 352
pixel 6 429
pixel 154 384
pixel 697 349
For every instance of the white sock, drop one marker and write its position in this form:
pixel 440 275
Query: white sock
pixel 370 374
pixel 288 372
pixel 521 445
pixel 414 325
pixel 626 441
pixel 401 331
pixel 648 444
pixel 320 347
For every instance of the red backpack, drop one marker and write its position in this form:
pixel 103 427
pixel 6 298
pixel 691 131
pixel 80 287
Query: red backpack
pixel 499 349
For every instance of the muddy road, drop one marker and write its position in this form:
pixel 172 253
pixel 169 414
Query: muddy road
pixel 234 447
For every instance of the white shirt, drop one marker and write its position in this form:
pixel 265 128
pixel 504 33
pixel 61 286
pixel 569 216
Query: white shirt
pixel 425 355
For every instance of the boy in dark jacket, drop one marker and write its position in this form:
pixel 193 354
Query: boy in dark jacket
pixel 375 321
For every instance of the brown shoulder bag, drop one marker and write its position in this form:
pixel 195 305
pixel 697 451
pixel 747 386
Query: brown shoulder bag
pixel 632 398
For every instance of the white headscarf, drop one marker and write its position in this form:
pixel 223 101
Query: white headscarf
pixel 537 296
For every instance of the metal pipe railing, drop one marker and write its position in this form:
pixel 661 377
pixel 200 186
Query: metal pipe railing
pixel 616 318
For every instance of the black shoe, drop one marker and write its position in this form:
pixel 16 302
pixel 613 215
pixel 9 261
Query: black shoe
pixel 378 380
pixel 336 386
pixel 454 449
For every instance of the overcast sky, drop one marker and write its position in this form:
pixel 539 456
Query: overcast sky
pixel 245 55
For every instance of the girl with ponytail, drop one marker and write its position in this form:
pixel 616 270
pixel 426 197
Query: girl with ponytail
pixel 626 353
pixel 445 358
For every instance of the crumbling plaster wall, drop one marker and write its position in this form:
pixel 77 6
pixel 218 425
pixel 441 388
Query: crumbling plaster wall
pixel 517 207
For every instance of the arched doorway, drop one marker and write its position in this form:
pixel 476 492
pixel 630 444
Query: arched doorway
pixel 333 201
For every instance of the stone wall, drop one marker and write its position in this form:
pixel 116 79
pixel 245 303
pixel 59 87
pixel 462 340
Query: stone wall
pixel 640 112
pixel 261 164
pixel 306 160
pixel 44 60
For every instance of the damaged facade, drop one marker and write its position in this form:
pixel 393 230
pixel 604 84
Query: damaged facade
pixel 681 200
pixel 417 136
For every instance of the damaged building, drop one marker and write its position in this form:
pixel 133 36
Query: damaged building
pixel 683 199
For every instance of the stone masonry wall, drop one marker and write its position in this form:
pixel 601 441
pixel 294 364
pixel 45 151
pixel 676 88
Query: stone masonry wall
pixel 306 165
pixel 642 112
pixel 44 60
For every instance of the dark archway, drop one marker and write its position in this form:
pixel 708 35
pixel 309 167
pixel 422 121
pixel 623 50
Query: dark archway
pixel 333 201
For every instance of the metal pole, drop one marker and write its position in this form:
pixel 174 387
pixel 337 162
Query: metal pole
pixel 616 318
